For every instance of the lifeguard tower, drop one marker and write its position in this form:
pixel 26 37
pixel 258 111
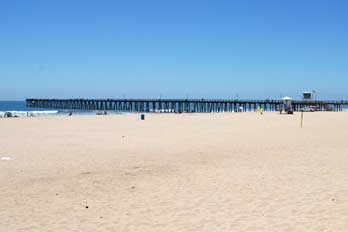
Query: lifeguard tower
pixel 309 95
pixel 287 105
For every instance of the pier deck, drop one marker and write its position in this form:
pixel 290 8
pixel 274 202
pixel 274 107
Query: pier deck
pixel 181 105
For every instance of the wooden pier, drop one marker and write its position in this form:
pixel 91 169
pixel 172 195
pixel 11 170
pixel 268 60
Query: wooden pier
pixel 181 105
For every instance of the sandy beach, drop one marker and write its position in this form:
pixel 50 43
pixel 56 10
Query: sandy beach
pixel 189 172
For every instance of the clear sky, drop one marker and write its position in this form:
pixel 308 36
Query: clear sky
pixel 110 49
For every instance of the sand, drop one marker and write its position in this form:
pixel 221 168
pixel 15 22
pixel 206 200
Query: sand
pixel 188 172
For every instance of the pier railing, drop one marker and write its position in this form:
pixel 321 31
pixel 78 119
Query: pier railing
pixel 181 105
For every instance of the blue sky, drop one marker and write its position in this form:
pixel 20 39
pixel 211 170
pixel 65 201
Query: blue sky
pixel 253 49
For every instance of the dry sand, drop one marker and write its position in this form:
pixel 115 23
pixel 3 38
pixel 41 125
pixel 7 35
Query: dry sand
pixel 189 172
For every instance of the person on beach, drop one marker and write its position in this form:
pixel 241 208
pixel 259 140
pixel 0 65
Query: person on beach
pixel 260 110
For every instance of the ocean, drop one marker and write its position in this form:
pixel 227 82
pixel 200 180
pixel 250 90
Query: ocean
pixel 12 106
pixel 19 108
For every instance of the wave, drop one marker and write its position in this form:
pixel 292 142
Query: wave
pixel 28 113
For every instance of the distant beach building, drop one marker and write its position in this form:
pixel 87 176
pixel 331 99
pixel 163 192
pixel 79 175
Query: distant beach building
pixel 287 105
pixel 308 95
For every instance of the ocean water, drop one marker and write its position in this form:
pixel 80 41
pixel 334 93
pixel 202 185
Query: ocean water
pixel 19 108
pixel 12 106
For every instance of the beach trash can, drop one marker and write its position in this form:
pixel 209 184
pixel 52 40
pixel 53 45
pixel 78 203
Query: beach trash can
pixel 142 116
